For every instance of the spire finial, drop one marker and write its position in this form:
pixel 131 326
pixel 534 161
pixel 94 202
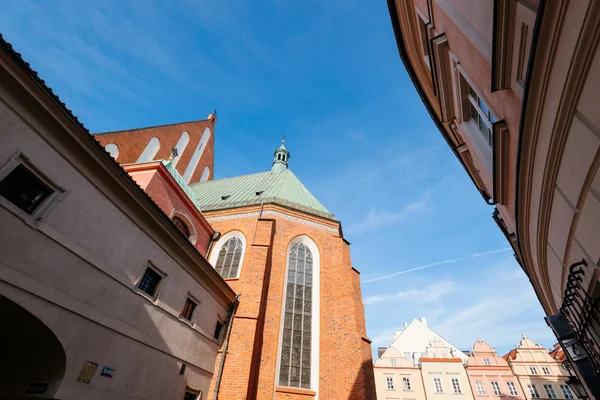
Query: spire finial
pixel 283 139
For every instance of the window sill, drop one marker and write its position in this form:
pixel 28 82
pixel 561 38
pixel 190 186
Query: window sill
pixel 291 390
pixel 146 296
pixel 187 321
pixel 231 279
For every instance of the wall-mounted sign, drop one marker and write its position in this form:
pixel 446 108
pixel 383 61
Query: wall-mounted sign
pixel 107 371
pixel 87 372
pixel 575 349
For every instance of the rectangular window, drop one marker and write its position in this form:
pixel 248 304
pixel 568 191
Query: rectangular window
pixel 437 384
pixel 546 370
pixel 190 395
pixel 567 391
pixel 406 383
pixel 218 329
pixel 486 361
pixel 393 360
pixel 512 388
pixel 496 388
pixel 390 382
pixel 150 282
pixel 479 114
pixel 188 309
pixel 550 391
pixel 533 391
pixel 480 388
pixel 533 370
pixel 456 385
pixel 24 189
pixel 406 354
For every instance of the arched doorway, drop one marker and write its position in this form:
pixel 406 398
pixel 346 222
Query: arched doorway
pixel 32 358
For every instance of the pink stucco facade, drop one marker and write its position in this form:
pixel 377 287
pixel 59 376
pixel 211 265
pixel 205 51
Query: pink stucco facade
pixel 484 367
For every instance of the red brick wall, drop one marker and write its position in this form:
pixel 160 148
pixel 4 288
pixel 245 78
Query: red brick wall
pixel 346 370
pixel 132 142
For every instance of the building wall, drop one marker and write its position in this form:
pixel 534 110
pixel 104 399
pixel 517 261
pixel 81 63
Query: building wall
pixel 399 369
pixel 131 144
pixel 165 191
pixel 75 267
pixel 254 346
pixel 446 370
pixel 529 355
pixel 498 370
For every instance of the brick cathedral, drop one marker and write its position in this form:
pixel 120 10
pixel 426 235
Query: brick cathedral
pixel 298 330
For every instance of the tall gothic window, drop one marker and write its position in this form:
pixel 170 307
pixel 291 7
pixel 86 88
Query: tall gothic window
pixel 295 361
pixel 230 255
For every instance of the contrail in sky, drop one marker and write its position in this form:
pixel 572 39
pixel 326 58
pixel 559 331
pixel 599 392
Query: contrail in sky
pixel 406 271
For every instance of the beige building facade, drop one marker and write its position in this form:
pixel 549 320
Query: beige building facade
pixel 512 86
pixel 539 375
pixel 102 296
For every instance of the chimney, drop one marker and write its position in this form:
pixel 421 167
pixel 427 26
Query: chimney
pixel 405 325
pixel 423 320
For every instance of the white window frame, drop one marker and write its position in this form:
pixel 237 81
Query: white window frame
pixel 550 392
pixel 512 388
pixel 406 384
pixel 480 388
pixel 214 252
pixel 192 320
pixel 159 287
pixel 46 205
pixel 437 380
pixel 316 311
pixel 533 391
pixel 533 370
pixel 496 389
pixel 487 361
pixel 393 362
pixel 567 392
pixel 546 370
pixel 456 388
pixel 389 381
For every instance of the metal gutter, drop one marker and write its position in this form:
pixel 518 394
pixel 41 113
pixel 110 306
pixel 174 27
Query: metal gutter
pixel 234 308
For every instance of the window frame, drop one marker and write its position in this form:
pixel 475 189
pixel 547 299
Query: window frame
pixel 496 389
pixel 42 210
pixel 533 391
pixel 187 221
pixel 316 299
pixel 512 388
pixel 567 394
pixel 544 369
pixel 214 252
pixel 480 388
pixel 456 388
pixel 393 362
pixel 193 316
pixel 487 361
pixel 163 277
pixel 550 392
pixel 437 379
pixel 389 381
pixel 406 385
pixel 533 370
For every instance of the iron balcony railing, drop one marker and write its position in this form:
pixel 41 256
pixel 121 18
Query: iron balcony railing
pixel 581 312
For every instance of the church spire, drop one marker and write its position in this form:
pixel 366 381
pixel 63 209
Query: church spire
pixel 280 158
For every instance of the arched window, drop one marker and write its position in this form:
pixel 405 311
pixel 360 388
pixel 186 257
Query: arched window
pixel 298 364
pixel 230 257
pixel 181 226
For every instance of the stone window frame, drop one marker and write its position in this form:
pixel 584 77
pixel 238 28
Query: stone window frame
pixel 438 385
pixel 480 388
pixel 512 388
pixel 496 389
pixel 315 321
pixel 185 218
pixel 42 210
pixel 389 381
pixel 456 388
pixel 195 311
pixel 153 299
pixel 550 392
pixel 533 391
pixel 214 253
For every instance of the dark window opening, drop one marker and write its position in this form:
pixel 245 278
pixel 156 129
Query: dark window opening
pixel 181 226
pixel 279 156
pixel 218 329
pixel 25 190
pixel 225 197
pixel 190 396
pixel 188 309
pixel 149 282
pixel 182 369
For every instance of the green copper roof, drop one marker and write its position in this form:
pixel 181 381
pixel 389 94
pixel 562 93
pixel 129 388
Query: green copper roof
pixel 180 181
pixel 265 187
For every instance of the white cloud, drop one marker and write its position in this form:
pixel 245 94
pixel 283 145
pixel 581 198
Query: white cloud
pixel 375 219
pixel 431 293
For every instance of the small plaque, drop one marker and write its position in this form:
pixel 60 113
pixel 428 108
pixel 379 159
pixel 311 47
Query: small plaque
pixel 87 372
pixel 107 371
pixel 575 349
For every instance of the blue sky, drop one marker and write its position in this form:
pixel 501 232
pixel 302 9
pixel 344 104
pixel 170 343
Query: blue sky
pixel 326 73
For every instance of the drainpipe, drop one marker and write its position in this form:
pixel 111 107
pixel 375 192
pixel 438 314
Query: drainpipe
pixel 213 239
pixel 225 346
